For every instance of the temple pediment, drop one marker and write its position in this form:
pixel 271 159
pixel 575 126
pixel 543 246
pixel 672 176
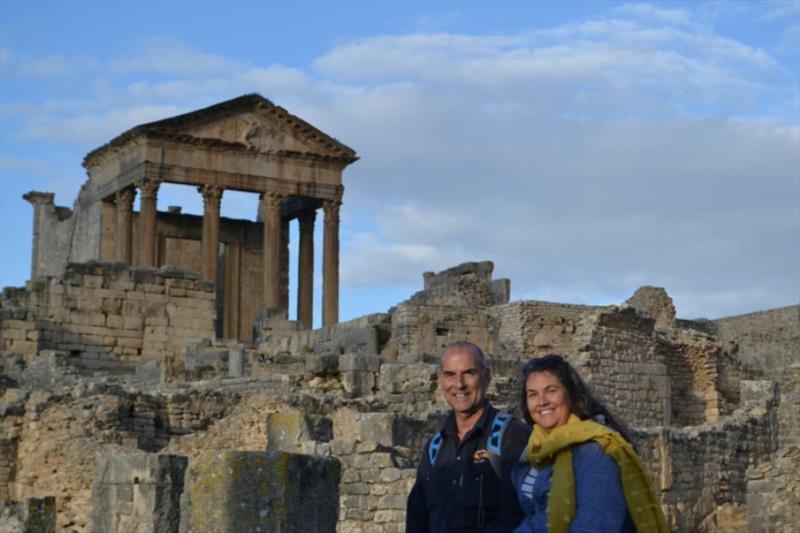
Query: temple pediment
pixel 249 123
pixel 261 132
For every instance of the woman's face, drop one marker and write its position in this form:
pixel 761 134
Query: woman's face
pixel 548 403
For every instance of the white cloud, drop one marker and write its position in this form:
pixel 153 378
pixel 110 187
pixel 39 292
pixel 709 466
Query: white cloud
pixel 90 128
pixel 173 57
pixel 779 10
pixel 675 16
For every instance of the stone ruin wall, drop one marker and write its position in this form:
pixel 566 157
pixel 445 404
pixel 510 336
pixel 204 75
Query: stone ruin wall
pixel 107 316
pixel 767 343
pixel 364 392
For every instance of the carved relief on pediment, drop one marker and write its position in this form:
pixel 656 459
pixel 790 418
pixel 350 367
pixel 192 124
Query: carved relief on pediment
pixel 259 135
pixel 256 132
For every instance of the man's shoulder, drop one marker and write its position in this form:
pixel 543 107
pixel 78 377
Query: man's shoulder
pixel 515 436
pixel 517 426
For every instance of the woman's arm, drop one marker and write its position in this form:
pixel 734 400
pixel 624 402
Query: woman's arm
pixel 600 502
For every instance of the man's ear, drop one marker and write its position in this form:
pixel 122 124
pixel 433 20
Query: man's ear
pixel 487 377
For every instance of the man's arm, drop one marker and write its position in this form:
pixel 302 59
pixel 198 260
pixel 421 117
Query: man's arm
pixel 416 506
pixel 515 439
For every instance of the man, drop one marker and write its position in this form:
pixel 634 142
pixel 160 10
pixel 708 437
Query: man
pixel 464 476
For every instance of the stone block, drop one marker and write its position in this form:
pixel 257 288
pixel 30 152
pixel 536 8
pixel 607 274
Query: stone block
pixel 236 363
pixel 759 391
pixel 357 362
pixel 141 487
pixel 377 427
pixel 285 430
pixel 30 515
pixel 321 364
pixel 269 492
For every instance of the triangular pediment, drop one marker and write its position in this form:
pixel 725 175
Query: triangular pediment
pixel 249 122
pixel 264 134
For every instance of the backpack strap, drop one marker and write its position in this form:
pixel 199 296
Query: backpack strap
pixel 494 444
pixel 433 447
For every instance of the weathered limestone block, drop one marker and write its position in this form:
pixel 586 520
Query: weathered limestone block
pixel 465 284
pixel 137 492
pixel 758 392
pixel 321 364
pixel 264 492
pixel 359 373
pixel 290 430
pixel 33 515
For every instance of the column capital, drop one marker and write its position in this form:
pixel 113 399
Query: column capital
pixel 212 193
pixel 270 203
pixel 124 197
pixel 149 187
pixel 331 208
pixel 272 199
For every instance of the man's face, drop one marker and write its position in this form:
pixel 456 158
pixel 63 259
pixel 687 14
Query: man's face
pixel 462 382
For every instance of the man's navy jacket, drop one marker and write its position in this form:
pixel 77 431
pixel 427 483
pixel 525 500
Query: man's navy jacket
pixel 461 492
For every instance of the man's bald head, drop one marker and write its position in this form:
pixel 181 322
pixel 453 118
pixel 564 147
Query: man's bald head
pixel 466 346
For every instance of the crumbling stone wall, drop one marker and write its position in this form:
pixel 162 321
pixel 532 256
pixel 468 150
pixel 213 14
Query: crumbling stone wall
pixel 767 344
pixel 707 464
pixel 691 359
pixel 764 340
pixel 773 493
pixel 627 370
pixel 655 303
pixel 109 317
pixel 52 228
pixel 354 393
pixel 453 306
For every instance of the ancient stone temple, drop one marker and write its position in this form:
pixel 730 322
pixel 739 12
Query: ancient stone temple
pixel 245 144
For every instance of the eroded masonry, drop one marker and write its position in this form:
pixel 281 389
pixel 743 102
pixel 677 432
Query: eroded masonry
pixel 151 380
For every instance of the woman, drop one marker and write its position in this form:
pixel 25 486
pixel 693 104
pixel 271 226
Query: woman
pixel 579 472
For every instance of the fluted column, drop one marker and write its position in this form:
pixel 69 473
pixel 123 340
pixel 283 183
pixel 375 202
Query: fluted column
pixel 147 222
pixel 212 194
pixel 271 214
pixel 124 237
pixel 330 263
pixel 305 270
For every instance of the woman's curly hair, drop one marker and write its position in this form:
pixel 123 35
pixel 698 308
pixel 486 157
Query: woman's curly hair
pixel 582 402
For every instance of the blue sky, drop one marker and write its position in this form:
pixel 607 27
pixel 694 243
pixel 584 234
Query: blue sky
pixel 587 148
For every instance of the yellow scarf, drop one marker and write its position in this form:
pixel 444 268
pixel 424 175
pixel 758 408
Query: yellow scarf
pixel 555 447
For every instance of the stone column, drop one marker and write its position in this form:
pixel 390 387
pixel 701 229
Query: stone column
pixel 271 214
pixel 147 219
pixel 330 263
pixel 212 194
pixel 124 237
pixel 42 203
pixel 305 270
